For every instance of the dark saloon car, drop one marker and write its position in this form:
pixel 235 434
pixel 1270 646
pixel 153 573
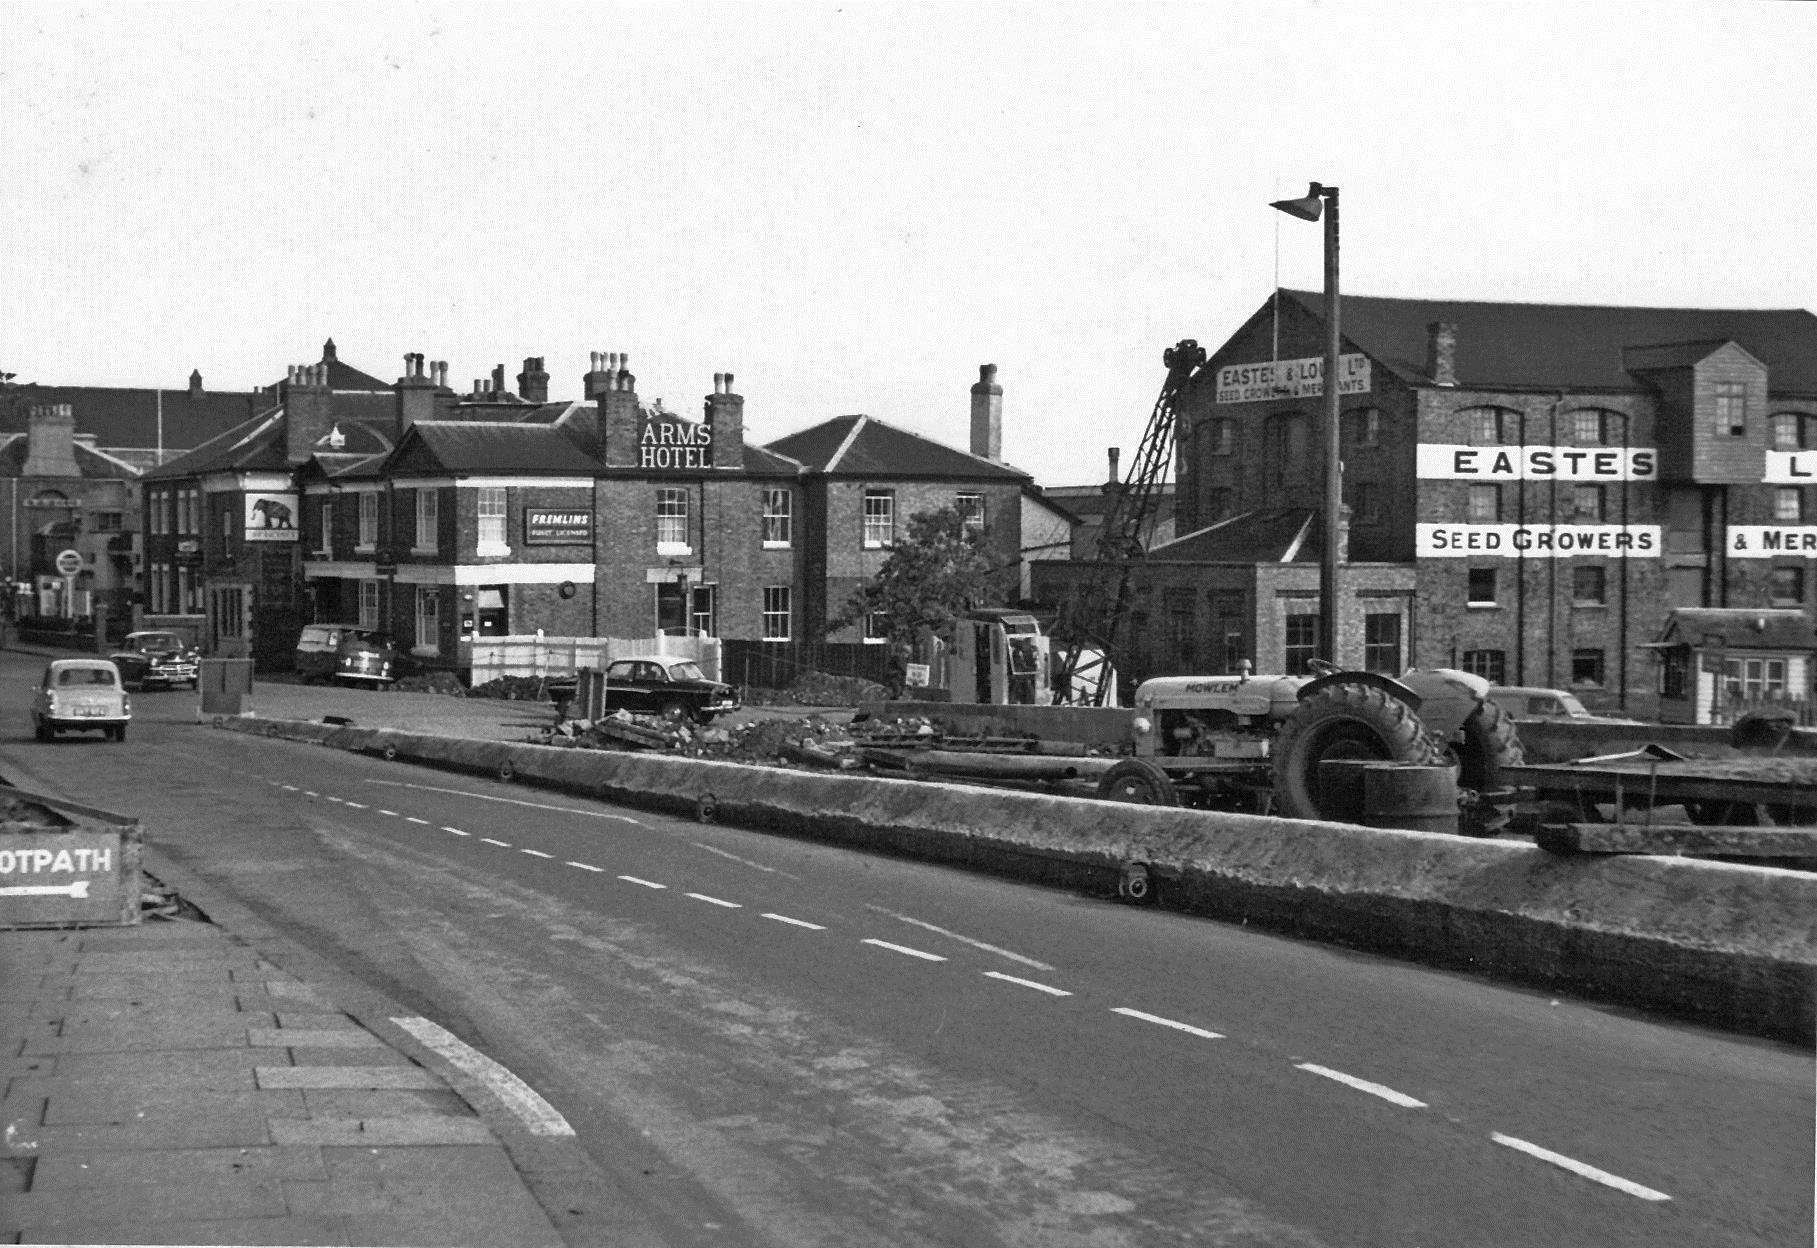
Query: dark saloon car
pixel 673 688
pixel 156 658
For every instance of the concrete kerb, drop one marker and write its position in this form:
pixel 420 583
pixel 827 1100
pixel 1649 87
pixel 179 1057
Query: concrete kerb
pixel 1731 945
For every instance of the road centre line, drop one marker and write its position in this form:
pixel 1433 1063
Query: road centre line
pixel 333 798
pixel 730 905
pixel 1049 989
pixel 456 831
pixel 501 844
pixel 964 940
pixel 293 788
pixel 392 813
pixel 519 1097
pixel 310 793
pixel 755 866
pixel 584 866
pixel 1188 1028
pixel 535 853
pixel 1577 1167
pixel 632 879
pixel 913 953
pixel 414 819
pixel 510 801
pixel 1363 1085
pixel 359 806
pixel 783 918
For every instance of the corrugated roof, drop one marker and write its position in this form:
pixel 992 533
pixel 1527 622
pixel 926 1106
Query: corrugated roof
pixel 863 446
pixel 1567 346
pixel 1757 628
pixel 1269 535
pixel 502 448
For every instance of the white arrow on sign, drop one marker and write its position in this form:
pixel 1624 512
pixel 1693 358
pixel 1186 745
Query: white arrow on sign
pixel 78 889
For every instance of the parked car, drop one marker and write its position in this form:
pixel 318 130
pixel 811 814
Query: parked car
pixel 1533 702
pixel 670 687
pixel 158 657
pixel 346 654
pixel 81 695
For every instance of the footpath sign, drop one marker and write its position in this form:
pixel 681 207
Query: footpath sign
pixel 65 865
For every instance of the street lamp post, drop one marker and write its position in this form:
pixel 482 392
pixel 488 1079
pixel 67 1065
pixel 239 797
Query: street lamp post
pixel 1308 208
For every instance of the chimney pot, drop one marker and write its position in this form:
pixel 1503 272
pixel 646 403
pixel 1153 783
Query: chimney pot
pixel 728 383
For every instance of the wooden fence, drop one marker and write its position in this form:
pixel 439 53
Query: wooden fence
pixel 495 657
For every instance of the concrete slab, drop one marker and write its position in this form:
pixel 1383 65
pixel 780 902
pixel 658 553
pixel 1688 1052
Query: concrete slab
pixel 475 1166
pixel 339 1056
pixel 413 1212
pixel 177 1166
pixel 179 960
pixel 221 1031
pixel 318 1020
pixel 420 1130
pixel 346 1076
pixel 198 1198
pixel 71 1103
pixel 200 1068
pixel 313 1037
pixel 228 1130
pixel 83 1013
pixel 238 1231
pixel 380 1103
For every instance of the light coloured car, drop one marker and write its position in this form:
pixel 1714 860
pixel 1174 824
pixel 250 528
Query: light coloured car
pixel 81 695
pixel 1535 702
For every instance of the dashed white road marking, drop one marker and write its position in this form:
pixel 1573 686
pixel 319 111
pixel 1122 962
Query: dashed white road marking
pixel 584 866
pixel 501 844
pixel 333 798
pixel 632 879
pixel 913 953
pixel 510 801
pixel 1577 1167
pixel 291 787
pixel 964 940
pixel 456 831
pixel 717 901
pixel 535 853
pixel 783 918
pixel 519 1097
pixel 392 813
pixel 1049 989
pixel 310 793
pixel 1363 1085
pixel 1188 1028
pixel 359 805
pixel 414 819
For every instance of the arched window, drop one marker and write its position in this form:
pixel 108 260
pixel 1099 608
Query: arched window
pixel 1792 431
pixel 1285 449
pixel 1485 426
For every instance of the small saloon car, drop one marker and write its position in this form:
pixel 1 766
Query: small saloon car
pixel 672 688
pixel 157 658
pixel 347 654
pixel 81 695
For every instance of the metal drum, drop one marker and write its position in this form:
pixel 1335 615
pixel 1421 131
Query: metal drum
pixel 1417 797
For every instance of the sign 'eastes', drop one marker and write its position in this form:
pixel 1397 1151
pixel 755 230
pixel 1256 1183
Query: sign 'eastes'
pixel 666 444
pixel 1438 461
pixel 1535 541
pixel 1768 541
pixel 1289 379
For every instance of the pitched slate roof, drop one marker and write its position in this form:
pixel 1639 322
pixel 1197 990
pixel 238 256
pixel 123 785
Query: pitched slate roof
pixel 1744 628
pixel 91 463
pixel 129 417
pixel 256 445
pixel 497 448
pixel 1554 346
pixel 343 376
pixel 1268 535
pixel 863 446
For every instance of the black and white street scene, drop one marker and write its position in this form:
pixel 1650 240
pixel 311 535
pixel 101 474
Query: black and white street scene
pixel 766 624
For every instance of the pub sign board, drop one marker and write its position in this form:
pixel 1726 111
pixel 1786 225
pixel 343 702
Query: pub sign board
pixel 270 517
pixel 547 526
pixel 674 444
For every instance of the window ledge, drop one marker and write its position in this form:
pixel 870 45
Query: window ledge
pixel 1482 606
pixel 778 545
pixel 489 550
pixel 673 549
pixel 432 550
pixel 365 548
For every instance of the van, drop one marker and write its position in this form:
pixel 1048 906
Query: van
pixel 345 654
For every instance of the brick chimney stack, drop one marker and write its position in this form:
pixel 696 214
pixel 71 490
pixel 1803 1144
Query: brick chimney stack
pixel 594 383
pixel 725 418
pixel 987 414
pixel 1112 481
pixel 416 393
pixel 1441 353
pixel 308 411
pixel 533 382
pixel 50 448
pixel 620 415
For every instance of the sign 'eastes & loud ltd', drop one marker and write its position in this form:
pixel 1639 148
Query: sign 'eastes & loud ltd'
pixel 674 444
pixel 1289 379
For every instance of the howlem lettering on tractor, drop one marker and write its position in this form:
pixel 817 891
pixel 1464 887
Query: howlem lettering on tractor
pixel 1255 742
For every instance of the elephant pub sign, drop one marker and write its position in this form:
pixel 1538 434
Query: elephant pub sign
pixel 271 517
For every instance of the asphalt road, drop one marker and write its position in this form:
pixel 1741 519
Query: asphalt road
pixel 766 1041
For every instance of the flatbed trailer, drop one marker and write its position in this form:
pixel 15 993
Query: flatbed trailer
pixel 1764 790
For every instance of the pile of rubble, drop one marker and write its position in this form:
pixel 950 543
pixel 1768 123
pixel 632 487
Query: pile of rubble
pixel 810 740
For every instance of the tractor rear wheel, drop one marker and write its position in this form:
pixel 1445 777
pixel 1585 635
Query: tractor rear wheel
pixel 1342 721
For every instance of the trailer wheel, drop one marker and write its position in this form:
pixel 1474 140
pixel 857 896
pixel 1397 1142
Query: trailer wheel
pixel 1489 744
pixel 1134 884
pixel 1343 721
pixel 1140 781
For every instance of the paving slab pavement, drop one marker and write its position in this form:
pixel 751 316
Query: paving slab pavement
pixel 164 1084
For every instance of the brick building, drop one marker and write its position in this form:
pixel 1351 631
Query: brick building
pixel 1529 488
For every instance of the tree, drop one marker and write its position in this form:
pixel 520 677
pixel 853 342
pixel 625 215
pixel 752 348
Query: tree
pixel 939 570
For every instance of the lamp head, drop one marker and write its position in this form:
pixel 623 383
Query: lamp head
pixel 1307 207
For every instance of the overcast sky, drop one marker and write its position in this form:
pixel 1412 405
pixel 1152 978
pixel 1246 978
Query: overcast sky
pixel 852 206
